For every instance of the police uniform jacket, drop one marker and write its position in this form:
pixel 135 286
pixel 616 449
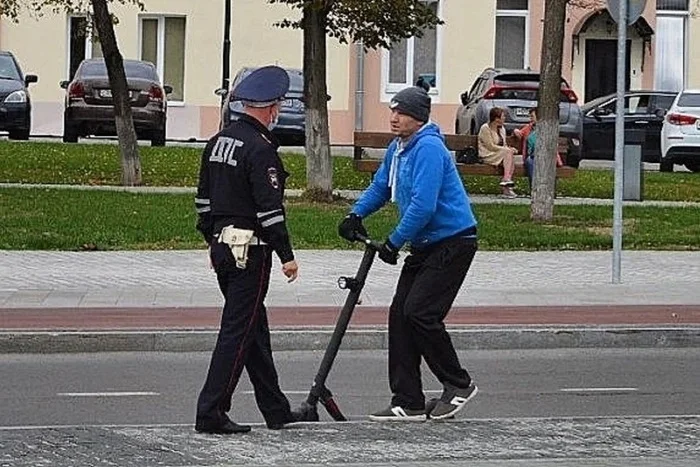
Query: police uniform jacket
pixel 241 183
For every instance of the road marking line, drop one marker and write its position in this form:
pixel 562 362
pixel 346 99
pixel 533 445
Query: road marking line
pixel 599 389
pixel 107 394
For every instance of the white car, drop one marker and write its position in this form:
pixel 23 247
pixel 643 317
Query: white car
pixel 680 133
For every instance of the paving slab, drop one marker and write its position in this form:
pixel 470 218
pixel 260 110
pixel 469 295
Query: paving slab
pixel 542 442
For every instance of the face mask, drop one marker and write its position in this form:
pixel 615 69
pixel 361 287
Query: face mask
pixel 274 121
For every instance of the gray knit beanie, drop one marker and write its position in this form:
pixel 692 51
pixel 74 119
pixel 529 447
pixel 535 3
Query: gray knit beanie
pixel 414 102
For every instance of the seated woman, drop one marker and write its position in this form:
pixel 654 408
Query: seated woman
pixel 493 149
pixel 529 135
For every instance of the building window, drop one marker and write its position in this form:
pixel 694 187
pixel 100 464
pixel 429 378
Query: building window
pixel 414 58
pixel 672 5
pixel 512 29
pixel 670 64
pixel 82 43
pixel 163 44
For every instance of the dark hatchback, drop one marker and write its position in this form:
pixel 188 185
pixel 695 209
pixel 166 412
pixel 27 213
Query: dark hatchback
pixel 15 102
pixel 291 127
pixel 644 110
pixel 89 107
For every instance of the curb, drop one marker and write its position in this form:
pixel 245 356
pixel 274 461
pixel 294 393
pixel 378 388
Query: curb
pixel 309 339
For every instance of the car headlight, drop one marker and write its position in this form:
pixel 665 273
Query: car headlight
pixel 17 97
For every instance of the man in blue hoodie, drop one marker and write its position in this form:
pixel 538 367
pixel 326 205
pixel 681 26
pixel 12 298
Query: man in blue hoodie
pixel 436 220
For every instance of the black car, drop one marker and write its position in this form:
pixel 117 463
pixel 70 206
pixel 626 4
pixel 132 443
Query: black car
pixel 644 110
pixel 291 127
pixel 89 107
pixel 15 103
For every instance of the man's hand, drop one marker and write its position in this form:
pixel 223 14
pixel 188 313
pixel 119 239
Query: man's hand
pixel 291 270
pixel 350 226
pixel 389 253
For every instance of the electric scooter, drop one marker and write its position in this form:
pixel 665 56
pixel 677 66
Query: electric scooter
pixel 319 391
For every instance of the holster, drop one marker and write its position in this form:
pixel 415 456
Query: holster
pixel 238 241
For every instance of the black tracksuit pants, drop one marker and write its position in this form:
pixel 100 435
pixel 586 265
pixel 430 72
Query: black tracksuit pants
pixel 243 341
pixel 427 287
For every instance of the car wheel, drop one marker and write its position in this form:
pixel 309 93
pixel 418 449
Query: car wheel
pixel 19 134
pixel 666 166
pixel 70 131
pixel 693 166
pixel 158 138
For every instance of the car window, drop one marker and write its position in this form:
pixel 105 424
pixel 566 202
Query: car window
pixel 8 69
pixel 609 108
pixel 483 86
pixel 634 105
pixel 94 69
pixel 663 101
pixel 637 105
pixel 688 99
pixel 140 70
pixel 475 87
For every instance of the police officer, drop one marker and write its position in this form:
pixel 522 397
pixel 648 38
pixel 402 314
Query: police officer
pixel 241 188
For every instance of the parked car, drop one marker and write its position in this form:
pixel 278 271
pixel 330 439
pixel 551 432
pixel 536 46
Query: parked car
pixel 680 133
pixel 643 111
pixel 516 91
pixel 89 107
pixel 291 126
pixel 15 102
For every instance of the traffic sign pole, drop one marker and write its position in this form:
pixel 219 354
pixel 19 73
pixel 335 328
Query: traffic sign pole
pixel 619 139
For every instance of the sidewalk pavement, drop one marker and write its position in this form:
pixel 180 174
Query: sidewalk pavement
pixel 354 194
pixel 580 442
pixel 168 300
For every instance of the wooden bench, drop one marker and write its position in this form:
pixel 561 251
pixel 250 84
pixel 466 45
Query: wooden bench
pixel 375 140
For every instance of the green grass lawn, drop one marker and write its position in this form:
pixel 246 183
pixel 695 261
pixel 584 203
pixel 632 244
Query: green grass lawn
pixel 51 219
pixel 98 164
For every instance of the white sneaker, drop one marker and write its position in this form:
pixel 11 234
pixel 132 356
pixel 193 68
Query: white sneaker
pixel 396 413
pixel 453 400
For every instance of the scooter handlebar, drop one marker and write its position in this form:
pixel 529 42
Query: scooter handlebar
pixel 368 241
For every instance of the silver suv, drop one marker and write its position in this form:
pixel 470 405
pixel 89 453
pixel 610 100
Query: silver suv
pixel 516 92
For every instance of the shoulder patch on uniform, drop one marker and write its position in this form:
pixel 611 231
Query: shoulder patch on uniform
pixel 272 178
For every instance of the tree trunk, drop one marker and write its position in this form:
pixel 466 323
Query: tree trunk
pixel 542 205
pixel 126 133
pixel 319 168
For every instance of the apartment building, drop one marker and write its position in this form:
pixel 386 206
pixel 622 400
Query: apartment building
pixel 184 38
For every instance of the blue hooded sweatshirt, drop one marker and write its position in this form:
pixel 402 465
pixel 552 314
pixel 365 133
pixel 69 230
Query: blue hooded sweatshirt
pixel 421 178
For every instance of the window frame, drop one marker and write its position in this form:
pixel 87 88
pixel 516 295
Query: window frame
pixel 685 15
pixel 160 50
pixel 69 33
pixel 518 14
pixel 389 88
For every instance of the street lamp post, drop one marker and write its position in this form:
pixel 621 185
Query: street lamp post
pixel 226 59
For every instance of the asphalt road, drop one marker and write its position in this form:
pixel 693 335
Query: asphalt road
pixel 161 388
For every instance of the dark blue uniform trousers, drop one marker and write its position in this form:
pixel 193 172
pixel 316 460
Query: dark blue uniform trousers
pixel 243 341
pixel 427 287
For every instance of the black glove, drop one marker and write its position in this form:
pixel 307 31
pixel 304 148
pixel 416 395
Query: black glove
pixel 389 253
pixel 350 226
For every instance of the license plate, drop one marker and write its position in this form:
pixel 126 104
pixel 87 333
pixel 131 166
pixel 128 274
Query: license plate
pixel 522 112
pixel 105 93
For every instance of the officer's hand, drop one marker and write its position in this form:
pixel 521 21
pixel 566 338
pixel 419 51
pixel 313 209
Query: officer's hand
pixel 389 253
pixel 350 227
pixel 291 270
